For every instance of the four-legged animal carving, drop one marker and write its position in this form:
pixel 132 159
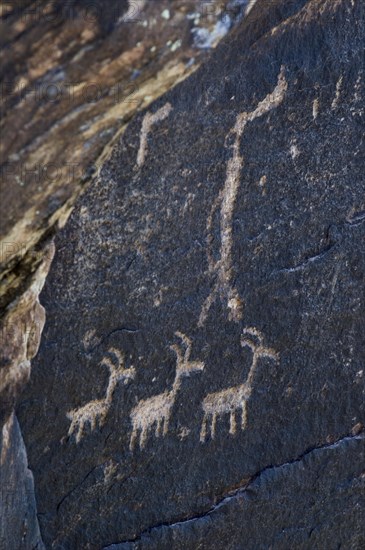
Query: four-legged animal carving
pixel 156 410
pixel 95 412
pixel 234 399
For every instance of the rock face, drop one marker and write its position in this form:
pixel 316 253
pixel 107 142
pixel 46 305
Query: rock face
pixel 18 520
pixel 300 504
pixel 20 331
pixel 73 73
pixel 202 365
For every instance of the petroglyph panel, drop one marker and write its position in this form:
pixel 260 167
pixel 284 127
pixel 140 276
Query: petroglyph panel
pixel 240 196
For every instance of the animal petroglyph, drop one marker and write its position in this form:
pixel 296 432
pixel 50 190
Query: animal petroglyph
pixel 156 410
pixel 234 399
pixel 223 267
pixel 149 120
pixel 95 412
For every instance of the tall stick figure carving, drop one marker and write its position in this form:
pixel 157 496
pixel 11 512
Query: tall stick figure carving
pixel 95 412
pixel 223 267
pixel 156 410
pixel 233 399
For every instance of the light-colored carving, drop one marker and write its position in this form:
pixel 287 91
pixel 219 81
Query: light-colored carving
pixel 358 87
pixel 223 267
pixel 94 413
pixel 149 120
pixel 294 151
pixel 338 93
pixel 156 410
pixel 315 109
pixel 234 399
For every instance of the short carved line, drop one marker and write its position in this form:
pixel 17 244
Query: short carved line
pixel 149 120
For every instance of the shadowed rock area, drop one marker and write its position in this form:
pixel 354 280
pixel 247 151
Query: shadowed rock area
pixel 200 378
pixel 18 519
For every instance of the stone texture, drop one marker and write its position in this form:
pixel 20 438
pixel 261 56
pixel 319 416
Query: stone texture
pixel 204 347
pixel 316 501
pixel 21 327
pixel 18 520
pixel 72 76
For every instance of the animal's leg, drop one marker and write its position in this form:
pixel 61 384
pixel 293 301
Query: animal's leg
pixel 244 415
pixel 84 422
pixel 143 436
pixel 75 428
pixel 82 427
pixel 213 424
pixel 133 439
pixel 203 431
pixel 72 427
pixel 232 423
pixel 103 417
pixel 158 427
pixel 93 419
pixel 166 425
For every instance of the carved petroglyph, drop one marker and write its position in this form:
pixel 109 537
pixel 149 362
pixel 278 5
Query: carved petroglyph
pixel 234 399
pixel 156 410
pixel 149 120
pixel 315 109
pixel 223 267
pixel 336 100
pixel 357 87
pixel 294 151
pixel 95 412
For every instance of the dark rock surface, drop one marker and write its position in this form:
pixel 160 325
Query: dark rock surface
pixel 18 521
pixel 314 502
pixel 205 308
